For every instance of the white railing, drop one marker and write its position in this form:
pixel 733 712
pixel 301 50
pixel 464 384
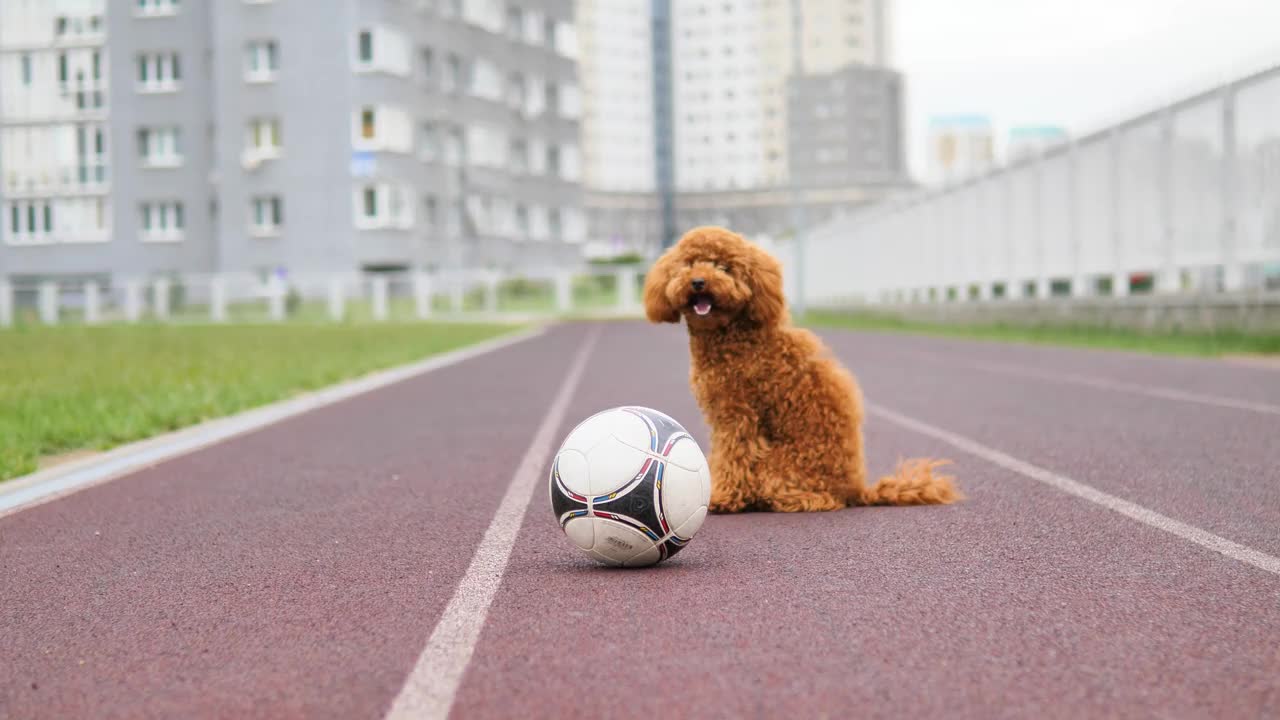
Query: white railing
pixel 1183 199
pixel 319 297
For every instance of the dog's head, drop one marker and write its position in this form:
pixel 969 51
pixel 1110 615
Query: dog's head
pixel 714 278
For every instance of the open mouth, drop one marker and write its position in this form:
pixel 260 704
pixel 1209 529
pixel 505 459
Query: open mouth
pixel 700 303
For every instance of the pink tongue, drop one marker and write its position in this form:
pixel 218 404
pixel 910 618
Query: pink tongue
pixel 702 307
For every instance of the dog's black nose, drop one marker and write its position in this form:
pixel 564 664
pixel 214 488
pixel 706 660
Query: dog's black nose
pixel 699 283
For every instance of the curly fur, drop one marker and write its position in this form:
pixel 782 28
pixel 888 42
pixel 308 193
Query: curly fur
pixel 785 417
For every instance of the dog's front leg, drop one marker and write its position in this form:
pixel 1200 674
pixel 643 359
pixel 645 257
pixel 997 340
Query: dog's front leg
pixel 736 449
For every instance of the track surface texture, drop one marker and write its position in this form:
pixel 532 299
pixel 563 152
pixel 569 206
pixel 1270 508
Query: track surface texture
pixel 298 571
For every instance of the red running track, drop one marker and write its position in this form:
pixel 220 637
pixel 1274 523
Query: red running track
pixel 297 571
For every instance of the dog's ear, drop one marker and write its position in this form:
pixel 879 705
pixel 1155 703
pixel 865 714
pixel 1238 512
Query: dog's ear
pixel 768 306
pixel 656 306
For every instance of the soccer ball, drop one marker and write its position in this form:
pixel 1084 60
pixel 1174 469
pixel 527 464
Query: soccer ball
pixel 630 487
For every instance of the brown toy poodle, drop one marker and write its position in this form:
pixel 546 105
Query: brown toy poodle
pixel 785 417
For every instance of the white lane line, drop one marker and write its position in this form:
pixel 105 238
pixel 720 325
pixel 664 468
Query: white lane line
pixel 430 689
pixel 58 482
pixel 1156 391
pixel 1146 516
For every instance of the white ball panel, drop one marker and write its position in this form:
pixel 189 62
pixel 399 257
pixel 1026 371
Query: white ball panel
pixel 693 524
pixel 613 465
pixel 648 556
pixel 617 541
pixel 582 532
pixel 683 493
pixel 609 424
pixel 687 455
pixel 575 473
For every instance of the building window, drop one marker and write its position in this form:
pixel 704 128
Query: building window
pixel 154 8
pixel 30 224
pixel 368 124
pixel 519 160
pixel 26 69
pixel 265 139
pixel 160 147
pixel 263 60
pixel 554 223
pixel 268 216
pixel 364 52
pixel 159 72
pixel 553 160
pixel 431 210
pixel 522 220
pixel 516 91
pixel 455 79
pixel 515 23
pixel 428 66
pixel 549 32
pixel 384 206
pixel 455 148
pixel 430 144
pixel 553 98
pixel 162 221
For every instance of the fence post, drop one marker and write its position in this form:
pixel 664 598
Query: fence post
pixel 457 291
pixel 422 295
pixel 1232 272
pixel 1120 275
pixel 275 298
pixel 132 300
pixel 1037 224
pixel 217 298
pixel 48 304
pixel 1167 278
pixel 6 304
pixel 1073 223
pixel 626 289
pixel 92 303
pixel 379 287
pixel 491 292
pixel 337 299
pixel 160 299
pixel 564 292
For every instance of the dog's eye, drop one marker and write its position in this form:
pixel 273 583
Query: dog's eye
pixel 722 267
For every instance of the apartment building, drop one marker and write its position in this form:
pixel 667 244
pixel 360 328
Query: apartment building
pixel 719 72
pixel 160 136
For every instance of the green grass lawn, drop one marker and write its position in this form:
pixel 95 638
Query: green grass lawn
pixel 1175 343
pixel 70 388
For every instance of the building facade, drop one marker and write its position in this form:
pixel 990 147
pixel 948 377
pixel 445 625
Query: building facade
pixel 720 74
pixel 960 147
pixel 1030 141
pixel 160 136
pixel 846 128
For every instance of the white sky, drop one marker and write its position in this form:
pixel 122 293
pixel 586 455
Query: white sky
pixel 1079 64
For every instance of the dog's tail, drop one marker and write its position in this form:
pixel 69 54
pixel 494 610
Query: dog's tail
pixel 913 482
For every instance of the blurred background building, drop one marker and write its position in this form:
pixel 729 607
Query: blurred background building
pixel 724 74
pixel 960 147
pixel 158 136
pixel 1029 141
